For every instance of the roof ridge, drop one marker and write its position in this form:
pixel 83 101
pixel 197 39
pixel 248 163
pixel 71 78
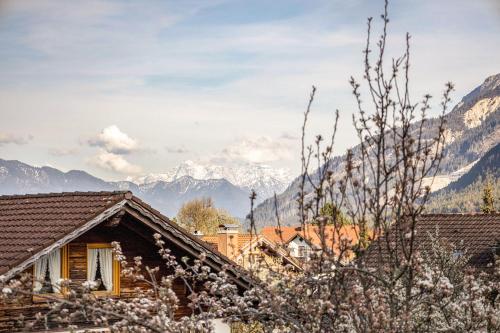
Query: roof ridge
pixel 460 214
pixel 62 194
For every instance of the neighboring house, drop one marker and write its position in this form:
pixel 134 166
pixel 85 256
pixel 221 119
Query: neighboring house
pixel 69 236
pixel 301 241
pixel 250 251
pixel 300 247
pixel 474 235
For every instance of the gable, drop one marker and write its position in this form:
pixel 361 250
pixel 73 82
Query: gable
pixel 298 241
pixel 31 223
pixel 37 224
pixel 261 242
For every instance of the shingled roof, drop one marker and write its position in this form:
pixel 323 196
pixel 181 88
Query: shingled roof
pixel 29 223
pixel 478 234
pixel 33 223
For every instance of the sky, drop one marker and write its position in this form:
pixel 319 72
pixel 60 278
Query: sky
pixel 126 88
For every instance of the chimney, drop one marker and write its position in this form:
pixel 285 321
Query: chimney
pixel 228 240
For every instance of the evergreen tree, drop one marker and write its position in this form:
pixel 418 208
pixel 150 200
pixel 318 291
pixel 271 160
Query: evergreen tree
pixel 333 214
pixel 488 206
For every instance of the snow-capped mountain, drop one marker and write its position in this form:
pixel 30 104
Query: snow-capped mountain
pixel 166 196
pixel 263 179
pixel 169 196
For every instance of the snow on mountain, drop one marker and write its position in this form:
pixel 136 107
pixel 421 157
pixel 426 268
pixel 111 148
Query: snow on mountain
pixel 441 181
pixel 476 114
pixel 171 195
pixel 472 129
pixel 20 178
pixel 263 179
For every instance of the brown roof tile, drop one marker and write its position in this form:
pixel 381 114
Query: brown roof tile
pixel 30 223
pixel 478 233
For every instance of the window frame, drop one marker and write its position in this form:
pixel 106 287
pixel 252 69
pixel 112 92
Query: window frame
pixel 116 270
pixel 301 251
pixel 42 297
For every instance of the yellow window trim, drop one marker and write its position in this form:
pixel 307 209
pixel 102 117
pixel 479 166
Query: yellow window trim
pixel 116 270
pixel 64 275
pixel 99 246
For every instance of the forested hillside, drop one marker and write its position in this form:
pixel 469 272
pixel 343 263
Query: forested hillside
pixel 465 194
pixel 472 129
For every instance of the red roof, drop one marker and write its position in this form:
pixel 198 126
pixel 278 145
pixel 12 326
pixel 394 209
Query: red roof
pixel 243 239
pixel 311 233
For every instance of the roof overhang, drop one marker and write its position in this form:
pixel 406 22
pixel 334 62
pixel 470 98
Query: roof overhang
pixel 156 222
pixel 262 240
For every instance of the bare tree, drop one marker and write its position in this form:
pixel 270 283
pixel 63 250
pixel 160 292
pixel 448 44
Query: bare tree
pixel 343 287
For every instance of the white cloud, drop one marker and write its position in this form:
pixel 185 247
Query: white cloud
pixel 113 140
pixel 115 163
pixel 9 138
pixel 82 64
pixel 262 149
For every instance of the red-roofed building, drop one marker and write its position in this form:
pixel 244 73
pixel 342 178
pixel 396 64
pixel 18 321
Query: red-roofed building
pixel 301 240
pixel 248 250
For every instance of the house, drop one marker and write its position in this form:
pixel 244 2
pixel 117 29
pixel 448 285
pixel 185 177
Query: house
pixel 301 241
pixel 474 235
pixel 251 251
pixel 69 236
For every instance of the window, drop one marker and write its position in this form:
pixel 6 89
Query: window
pixel 103 269
pixel 49 270
pixel 302 251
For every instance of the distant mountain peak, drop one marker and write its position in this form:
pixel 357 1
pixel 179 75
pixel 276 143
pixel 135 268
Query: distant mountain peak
pixel 492 82
pixel 264 179
pixel 167 196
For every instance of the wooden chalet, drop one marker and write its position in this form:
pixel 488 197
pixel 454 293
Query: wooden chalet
pixel 69 235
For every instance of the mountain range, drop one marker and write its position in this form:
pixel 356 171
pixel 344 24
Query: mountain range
pixel 166 192
pixel 472 135
pixel 263 179
pixel 472 129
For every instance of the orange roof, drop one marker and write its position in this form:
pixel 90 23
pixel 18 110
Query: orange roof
pixel 243 239
pixel 212 239
pixel 311 233
pixel 279 235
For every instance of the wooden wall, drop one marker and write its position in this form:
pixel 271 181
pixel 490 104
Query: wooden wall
pixel 136 240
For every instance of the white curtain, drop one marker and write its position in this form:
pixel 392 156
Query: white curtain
pixel 91 264
pixel 54 262
pixel 106 261
pixel 105 257
pixel 40 270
